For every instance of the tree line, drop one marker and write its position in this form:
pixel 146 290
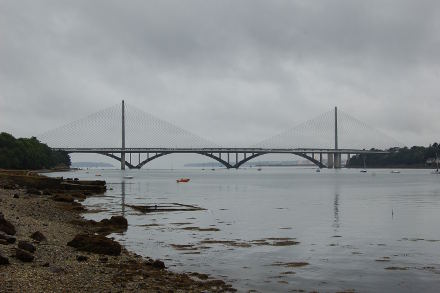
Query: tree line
pixel 416 156
pixel 29 153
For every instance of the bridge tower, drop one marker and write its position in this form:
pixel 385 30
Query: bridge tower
pixel 337 156
pixel 123 137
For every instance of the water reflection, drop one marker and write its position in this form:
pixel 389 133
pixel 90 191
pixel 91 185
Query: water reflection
pixel 336 211
pixel 123 197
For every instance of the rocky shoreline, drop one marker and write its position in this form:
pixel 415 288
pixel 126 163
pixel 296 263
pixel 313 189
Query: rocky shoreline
pixel 46 246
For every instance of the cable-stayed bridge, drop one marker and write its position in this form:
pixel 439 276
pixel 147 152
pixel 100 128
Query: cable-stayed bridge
pixel 135 138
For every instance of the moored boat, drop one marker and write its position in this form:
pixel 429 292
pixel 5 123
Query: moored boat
pixel 182 180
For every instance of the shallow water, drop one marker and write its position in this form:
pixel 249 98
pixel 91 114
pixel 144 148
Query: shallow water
pixel 350 226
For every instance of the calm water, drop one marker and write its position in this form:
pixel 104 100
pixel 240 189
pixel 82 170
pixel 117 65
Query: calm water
pixel 350 225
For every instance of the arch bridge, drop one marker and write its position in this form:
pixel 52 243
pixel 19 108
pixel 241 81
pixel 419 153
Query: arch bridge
pixel 228 157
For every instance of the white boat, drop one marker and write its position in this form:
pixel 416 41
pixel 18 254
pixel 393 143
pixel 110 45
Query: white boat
pixel 395 172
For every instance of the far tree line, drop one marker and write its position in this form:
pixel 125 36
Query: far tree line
pixel 416 156
pixel 29 153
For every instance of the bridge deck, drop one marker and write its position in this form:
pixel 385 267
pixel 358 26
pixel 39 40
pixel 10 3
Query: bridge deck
pixel 221 150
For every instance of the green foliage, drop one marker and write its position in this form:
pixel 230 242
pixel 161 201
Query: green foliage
pixel 29 153
pixel 415 156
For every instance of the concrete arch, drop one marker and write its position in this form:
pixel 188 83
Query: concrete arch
pixel 223 162
pixel 237 165
pixel 118 159
pixel 141 164
pixel 303 155
pixel 311 159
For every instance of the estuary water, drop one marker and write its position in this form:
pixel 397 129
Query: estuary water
pixel 284 229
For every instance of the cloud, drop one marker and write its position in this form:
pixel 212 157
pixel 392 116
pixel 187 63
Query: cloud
pixel 234 72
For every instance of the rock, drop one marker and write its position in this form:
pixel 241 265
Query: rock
pixel 4 242
pixel 81 258
pixel 158 264
pixel 119 221
pixel 26 246
pixel 38 236
pixel 47 192
pixel 63 198
pixel 6 226
pixel 3 260
pixel 6 237
pixel 23 255
pixel 114 224
pixel 103 259
pixel 46 264
pixel 16 195
pixel 96 244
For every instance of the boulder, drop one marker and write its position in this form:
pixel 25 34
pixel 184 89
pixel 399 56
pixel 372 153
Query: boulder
pixel 16 195
pixel 26 246
pixel 3 260
pixel 96 244
pixel 158 264
pixel 63 198
pixel 117 221
pixel 6 226
pixel 114 224
pixel 23 255
pixel 7 238
pixel 38 236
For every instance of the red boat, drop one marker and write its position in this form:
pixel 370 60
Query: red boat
pixel 182 180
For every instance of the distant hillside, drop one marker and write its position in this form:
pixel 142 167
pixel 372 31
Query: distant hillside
pixel 91 165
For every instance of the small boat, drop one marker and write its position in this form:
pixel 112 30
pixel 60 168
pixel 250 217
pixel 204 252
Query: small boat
pixel 318 170
pixel 128 177
pixel 363 171
pixel 182 180
pixel 259 169
pixel 395 172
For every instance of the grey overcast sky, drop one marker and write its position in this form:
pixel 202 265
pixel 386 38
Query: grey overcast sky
pixel 230 71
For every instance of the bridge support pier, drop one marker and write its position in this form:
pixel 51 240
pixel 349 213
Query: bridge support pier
pixel 337 161
pixel 330 158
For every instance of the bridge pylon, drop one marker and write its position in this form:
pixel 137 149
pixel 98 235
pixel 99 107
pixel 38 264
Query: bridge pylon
pixel 123 137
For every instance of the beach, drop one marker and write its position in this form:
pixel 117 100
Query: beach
pixel 58 267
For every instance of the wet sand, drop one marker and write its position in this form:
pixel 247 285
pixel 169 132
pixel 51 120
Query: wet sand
pixel 57 267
